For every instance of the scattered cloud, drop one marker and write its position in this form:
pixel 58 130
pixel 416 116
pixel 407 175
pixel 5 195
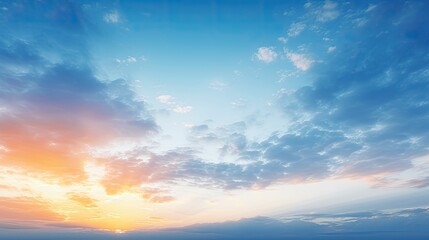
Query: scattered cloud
pixel 154 195
pixel 327 12
pixel 282 40
pixel 64 108
pixel 112 17
pixel 182 109
pixel 295 29
pixel 266 54
pixel 239 103
pixel 331 49
pixel 300 61
pixel 178 108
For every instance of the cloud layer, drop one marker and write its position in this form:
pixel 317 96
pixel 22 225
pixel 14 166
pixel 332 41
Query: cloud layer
pixel 372 225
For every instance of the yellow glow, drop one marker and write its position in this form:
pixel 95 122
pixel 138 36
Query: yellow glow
pixel 86 203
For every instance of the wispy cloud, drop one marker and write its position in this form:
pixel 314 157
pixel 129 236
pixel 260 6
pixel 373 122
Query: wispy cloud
pixel 130 59
pixel 167 99
pixel 282 39
pixel 328 12
pixel 218 85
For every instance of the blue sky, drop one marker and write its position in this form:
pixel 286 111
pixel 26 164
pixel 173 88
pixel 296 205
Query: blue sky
pixel 135 116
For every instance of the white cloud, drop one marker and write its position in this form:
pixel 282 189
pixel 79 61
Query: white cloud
pixel 239 103
pixel 3 149
pixel 328 12
pixel 166 99
pixel 182 109
pixel 360 22
pixel 169 100
pixel 331 49
pixel 307 5
pixel 218 85
pixel 300 61
pixel 282 39
pixel 295 29
pixel 266 54
pixel 112 17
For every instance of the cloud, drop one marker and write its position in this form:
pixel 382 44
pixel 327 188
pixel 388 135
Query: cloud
pixel 300 61
pixel 401 224
pixel 327 12
pixel 112 17
pixel 169 100
pixel 295 29
pixel 166 99
pixel 282 39
pixel 418 183
pixel 362 117
pixel 83 199
pixel 239 103
pixel 182 109
pixel 331 49
pixel 266 54
pixel 370 8
pixel 26 209
pixel 56 109
pixel 129 60
pixel 307 5
pixel 156 196
pixel 361 107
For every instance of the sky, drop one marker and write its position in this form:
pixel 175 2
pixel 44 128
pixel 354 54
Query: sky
pixel 214 119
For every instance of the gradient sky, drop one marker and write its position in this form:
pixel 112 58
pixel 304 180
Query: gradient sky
pixel 207 119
